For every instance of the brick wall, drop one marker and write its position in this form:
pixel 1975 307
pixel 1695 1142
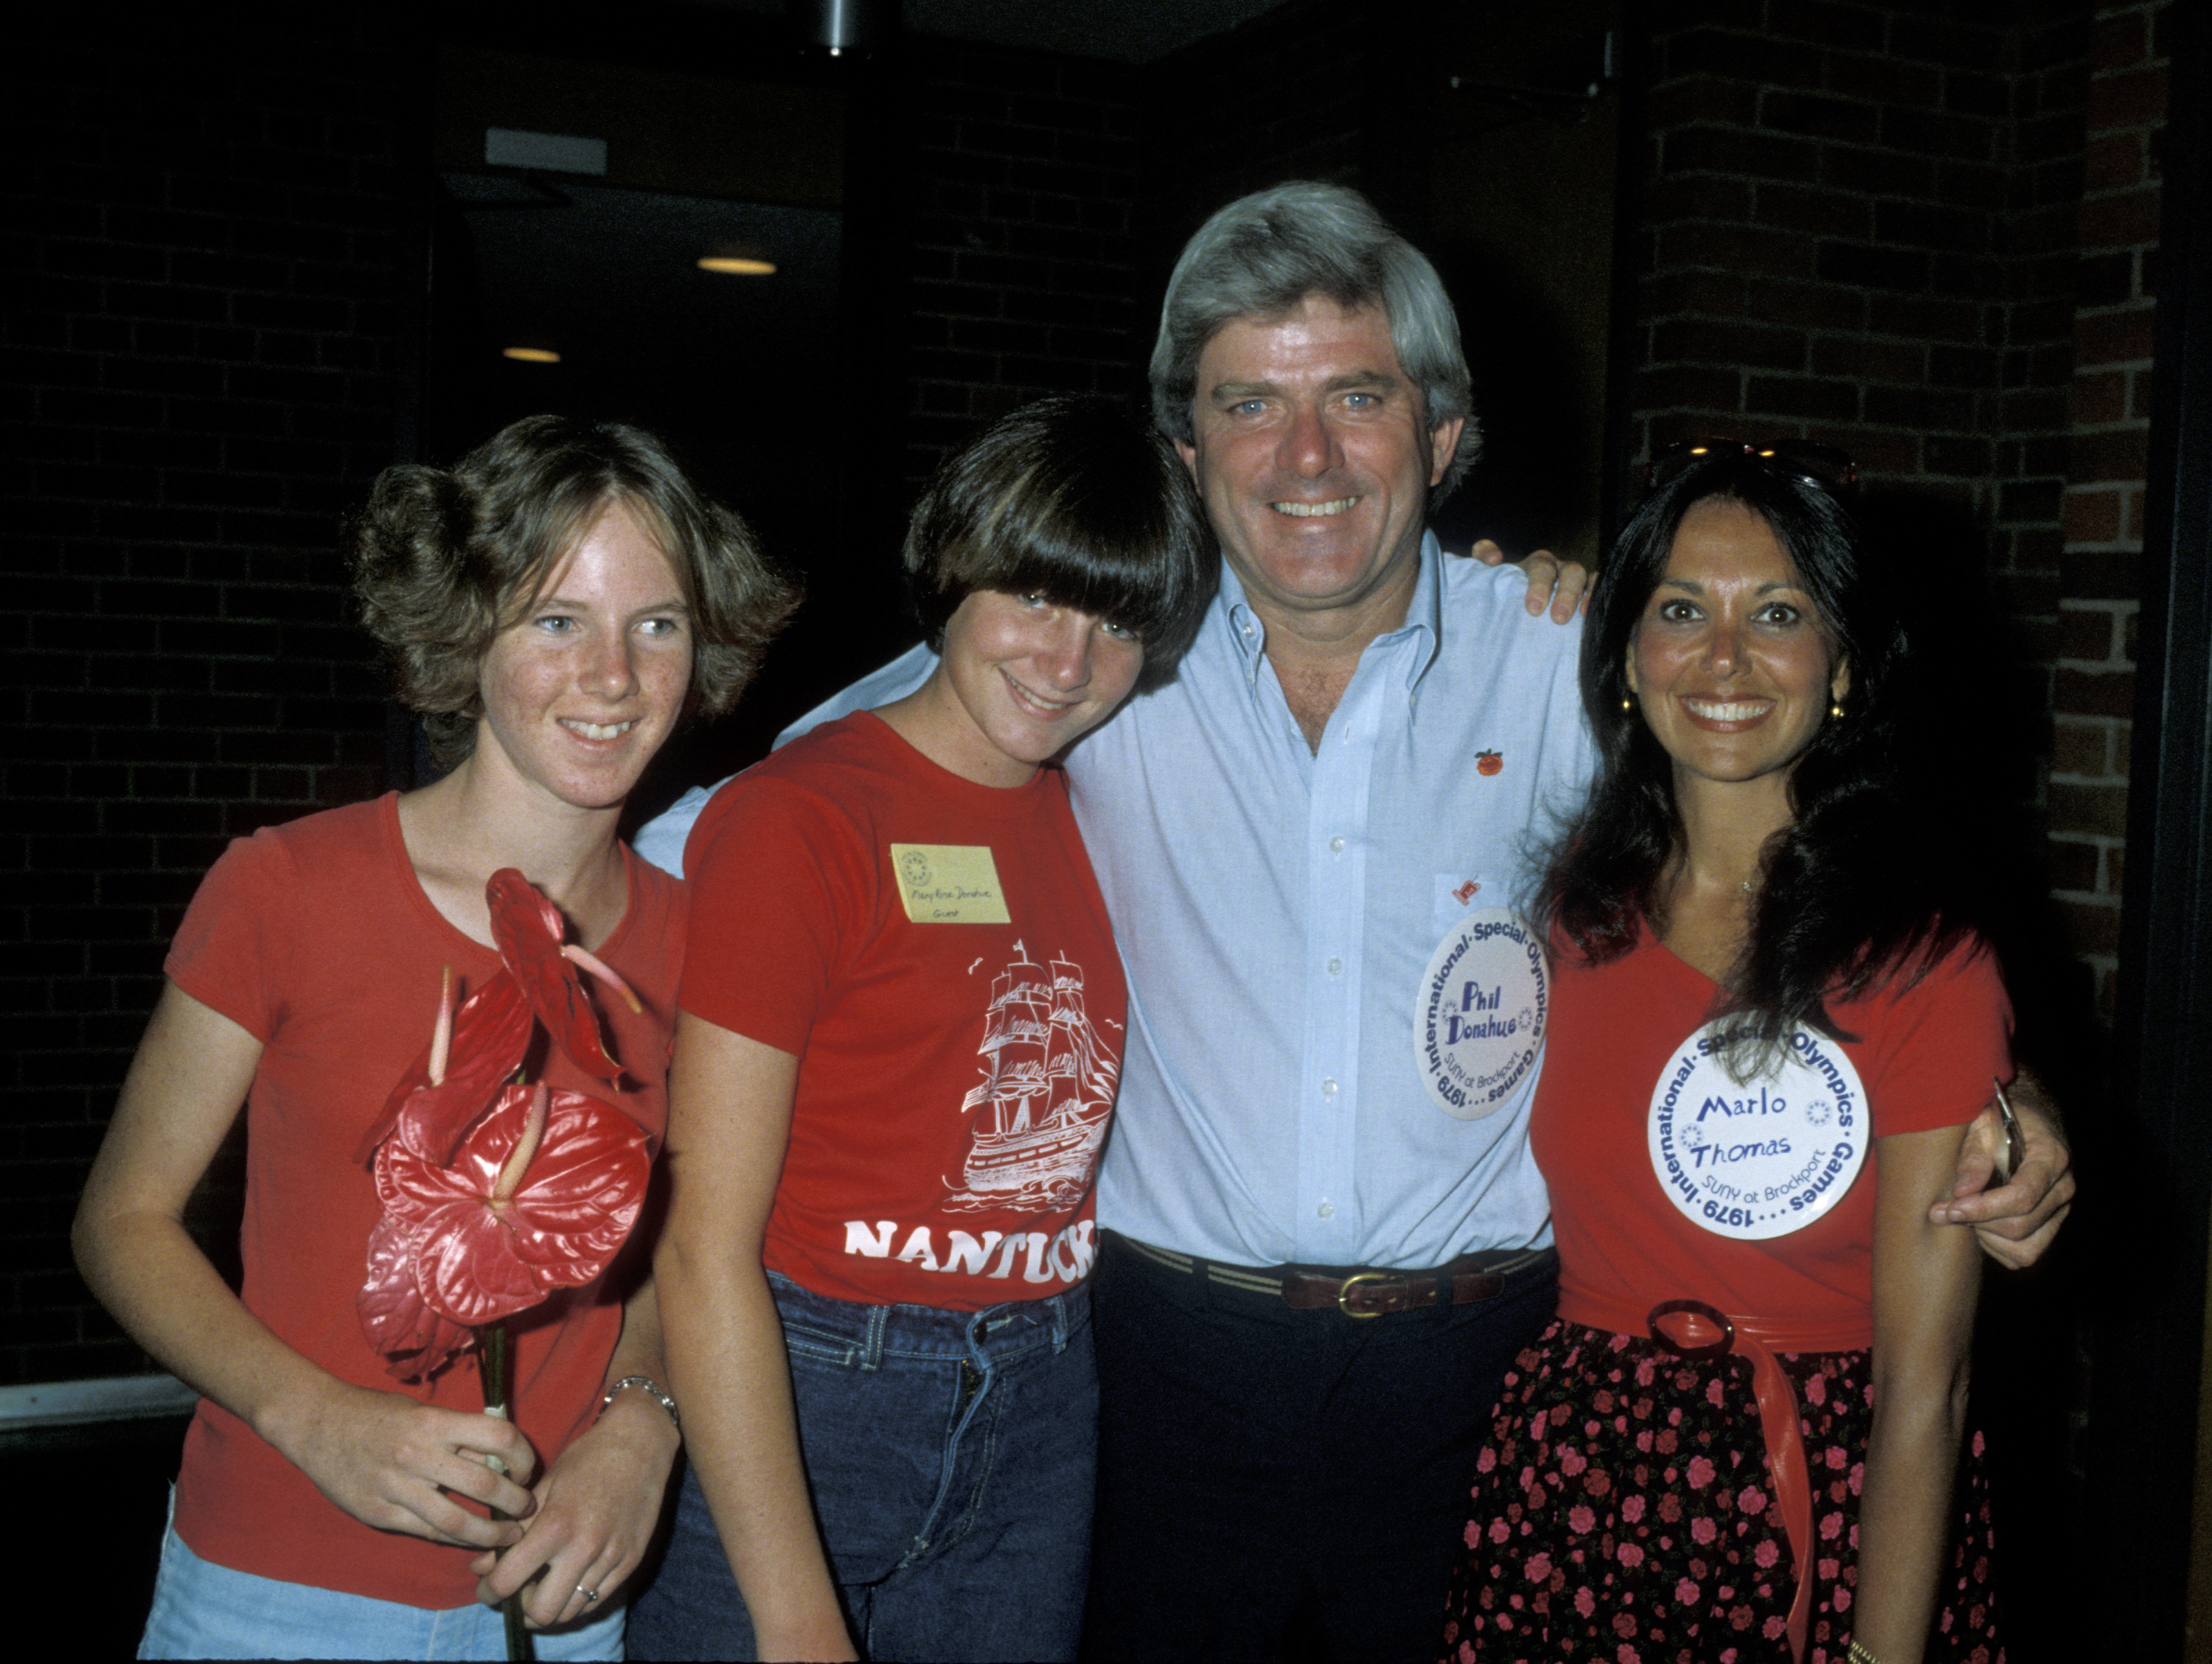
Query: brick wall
pixel 201 338
pixel 2100 578
pixel 1047 197
pixel 1280 97
pixel 1859 225
pixel 1855 226
pixel 1022 180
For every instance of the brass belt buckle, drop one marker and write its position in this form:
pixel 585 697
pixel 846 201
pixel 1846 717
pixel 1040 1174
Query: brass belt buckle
pixel 1344 1294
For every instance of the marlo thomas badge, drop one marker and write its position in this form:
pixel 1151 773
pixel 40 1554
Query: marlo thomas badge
pixel 1758 1158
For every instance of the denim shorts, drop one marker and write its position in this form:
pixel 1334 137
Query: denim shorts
pixel 202 1610
pixel 951 1457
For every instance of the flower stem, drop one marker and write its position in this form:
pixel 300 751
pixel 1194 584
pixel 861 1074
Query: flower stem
pixel 492 1351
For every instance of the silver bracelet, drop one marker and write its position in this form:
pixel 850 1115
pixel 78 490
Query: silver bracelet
pixel 644 1384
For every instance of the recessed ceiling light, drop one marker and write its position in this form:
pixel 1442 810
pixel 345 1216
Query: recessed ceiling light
pixel 531 355
pixel 738 265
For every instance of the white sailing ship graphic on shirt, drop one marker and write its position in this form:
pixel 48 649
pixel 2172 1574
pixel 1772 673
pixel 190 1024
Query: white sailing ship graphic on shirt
pixel 1041 1106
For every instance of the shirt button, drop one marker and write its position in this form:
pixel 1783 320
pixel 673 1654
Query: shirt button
pixel 1337 844
pixel 1336 968
pixel 1328 1089
pixel 1326 1210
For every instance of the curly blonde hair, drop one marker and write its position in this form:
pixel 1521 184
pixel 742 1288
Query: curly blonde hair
pixel 444 559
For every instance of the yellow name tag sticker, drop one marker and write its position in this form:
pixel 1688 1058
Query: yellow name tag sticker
pixel 949 884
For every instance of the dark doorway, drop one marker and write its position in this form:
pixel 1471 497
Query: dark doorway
pixel 551 294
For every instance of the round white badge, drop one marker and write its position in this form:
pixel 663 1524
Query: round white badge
pixel 1479 1022
pixel 1761 1158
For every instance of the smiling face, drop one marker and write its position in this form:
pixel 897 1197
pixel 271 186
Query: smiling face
pixel 581 690
pixel 1734 668
pixel 1315 459
pixel 1020 678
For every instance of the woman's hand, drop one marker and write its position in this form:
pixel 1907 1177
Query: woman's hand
pixel 1562 585
pixel 2016 1223
pixel 596 1511
pixel 391 1462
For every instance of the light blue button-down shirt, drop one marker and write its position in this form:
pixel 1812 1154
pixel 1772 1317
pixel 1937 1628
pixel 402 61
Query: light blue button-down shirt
pixel 1277 906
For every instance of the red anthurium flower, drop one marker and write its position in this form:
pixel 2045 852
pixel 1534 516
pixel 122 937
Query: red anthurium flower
pixel 528 928
pixel 540 1195
pixel 415 1341
pixel 484 1044
pixel 459 1072
pixel 496 1195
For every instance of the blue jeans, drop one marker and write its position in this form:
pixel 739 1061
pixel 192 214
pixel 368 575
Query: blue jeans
pixel 202 1610
pixel 951 1457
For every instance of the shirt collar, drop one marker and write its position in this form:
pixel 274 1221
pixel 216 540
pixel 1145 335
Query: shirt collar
pixel 1248 635
pixel 1424 612
pixel 1248 632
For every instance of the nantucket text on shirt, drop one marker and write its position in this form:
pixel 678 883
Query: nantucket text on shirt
pixel 1065 1257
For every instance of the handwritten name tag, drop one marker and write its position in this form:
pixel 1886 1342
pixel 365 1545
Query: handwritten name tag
pixel 949 884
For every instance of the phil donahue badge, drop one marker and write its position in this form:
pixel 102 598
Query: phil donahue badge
pixel 1764 1157
pixel 1479 1022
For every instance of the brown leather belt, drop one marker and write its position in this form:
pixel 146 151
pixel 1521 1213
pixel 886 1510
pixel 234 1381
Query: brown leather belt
pixel 1355 1292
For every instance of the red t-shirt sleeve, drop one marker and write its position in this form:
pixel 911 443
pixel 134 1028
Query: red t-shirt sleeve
pixel 774 896
pixel 227 953
pixel 1939 1045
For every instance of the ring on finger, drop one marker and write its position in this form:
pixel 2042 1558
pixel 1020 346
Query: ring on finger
pixel 590 1595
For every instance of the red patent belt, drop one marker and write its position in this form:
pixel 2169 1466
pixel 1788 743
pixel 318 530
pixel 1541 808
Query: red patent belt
pixel 1692 1329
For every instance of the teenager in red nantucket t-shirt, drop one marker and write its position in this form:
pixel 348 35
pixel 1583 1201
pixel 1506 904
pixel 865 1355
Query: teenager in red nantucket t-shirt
pixel 551 605
pixel 902 1024
pixel 1771 1023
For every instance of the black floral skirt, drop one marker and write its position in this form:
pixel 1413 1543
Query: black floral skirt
pixel 1622 1511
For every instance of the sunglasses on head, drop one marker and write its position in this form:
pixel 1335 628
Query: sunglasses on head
pixel 1823 465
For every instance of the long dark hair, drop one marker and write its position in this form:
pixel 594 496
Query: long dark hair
pixel 1851 897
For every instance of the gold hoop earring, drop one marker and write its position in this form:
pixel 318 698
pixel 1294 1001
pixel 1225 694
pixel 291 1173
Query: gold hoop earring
pixel 1627 703
pixel 1836 709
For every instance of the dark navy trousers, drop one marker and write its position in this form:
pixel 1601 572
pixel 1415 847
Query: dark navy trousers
pixel 1281 1485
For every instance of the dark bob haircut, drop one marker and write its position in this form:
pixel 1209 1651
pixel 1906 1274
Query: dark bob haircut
pixel 444 559
pixel 1075 498
pixel 1856 889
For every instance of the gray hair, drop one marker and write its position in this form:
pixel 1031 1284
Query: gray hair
pixel 1264 253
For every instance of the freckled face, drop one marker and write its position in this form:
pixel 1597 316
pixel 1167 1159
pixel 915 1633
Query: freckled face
pixel 1023 677
pixel 581 691
pixel 1734 668
pixel 1315 459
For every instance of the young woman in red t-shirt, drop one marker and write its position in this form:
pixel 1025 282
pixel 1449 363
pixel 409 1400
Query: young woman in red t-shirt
pixel 901 1023
pixel 1770 1025
pixel 551 607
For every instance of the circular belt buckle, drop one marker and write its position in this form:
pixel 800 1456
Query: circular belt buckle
pixel 1699 1309
pixel 1344 1294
